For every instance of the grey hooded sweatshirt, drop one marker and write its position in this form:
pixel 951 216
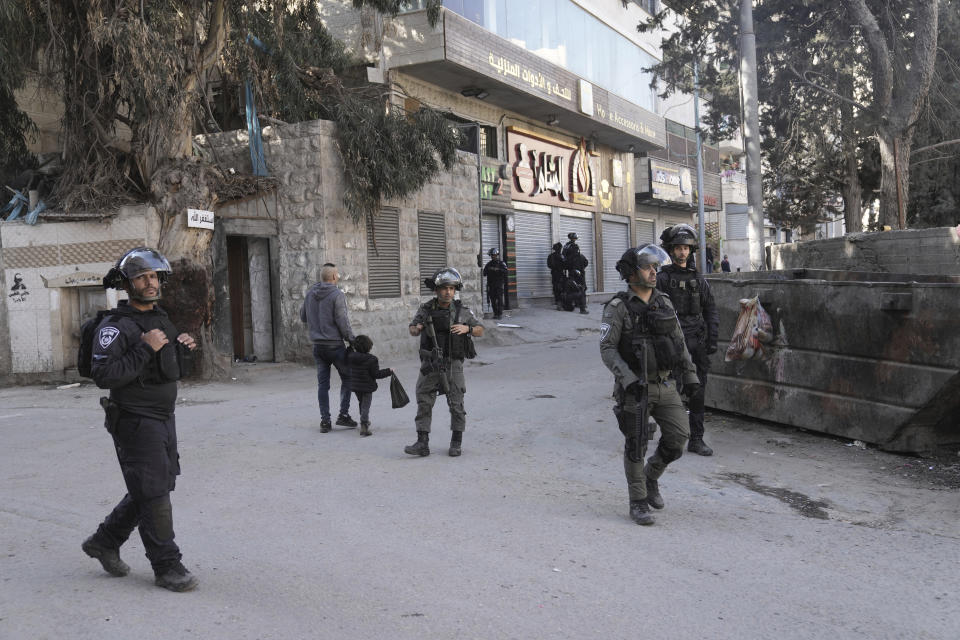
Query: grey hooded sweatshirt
pixel 325 312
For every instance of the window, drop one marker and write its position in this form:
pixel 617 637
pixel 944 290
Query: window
pixel 433 245
pixel 383 254
pixel 468 140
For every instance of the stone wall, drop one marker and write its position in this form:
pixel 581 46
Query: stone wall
pixel 313 227
pixel 919 251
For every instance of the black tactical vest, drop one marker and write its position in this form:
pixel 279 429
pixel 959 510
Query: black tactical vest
pixel 453 346
pixel 655 324
pixel 684 289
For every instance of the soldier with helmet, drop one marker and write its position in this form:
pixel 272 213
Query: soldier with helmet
pixel 446 329
pixel 643 346
pixel 691 297
pixel 139 356
pixel 496 274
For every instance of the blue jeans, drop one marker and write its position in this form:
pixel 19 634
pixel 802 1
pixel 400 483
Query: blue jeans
pixel 325 356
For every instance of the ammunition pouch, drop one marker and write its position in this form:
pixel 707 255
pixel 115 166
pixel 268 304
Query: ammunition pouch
pixel 111 411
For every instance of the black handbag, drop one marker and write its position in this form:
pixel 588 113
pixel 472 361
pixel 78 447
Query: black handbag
pixel 398 396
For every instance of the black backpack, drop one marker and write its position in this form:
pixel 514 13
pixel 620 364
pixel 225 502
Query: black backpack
pixel 88 333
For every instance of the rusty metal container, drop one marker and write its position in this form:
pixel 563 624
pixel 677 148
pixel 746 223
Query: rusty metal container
pixel 866 356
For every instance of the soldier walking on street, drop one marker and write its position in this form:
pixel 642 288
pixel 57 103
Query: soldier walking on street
pixel 446 329
pixel 691 297
pixel 642 345
pixel 139 356
pixel 496 274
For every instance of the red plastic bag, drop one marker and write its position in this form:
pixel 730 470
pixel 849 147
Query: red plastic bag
pixel 753 332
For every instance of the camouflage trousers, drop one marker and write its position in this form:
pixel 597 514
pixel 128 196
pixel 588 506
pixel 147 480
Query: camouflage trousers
pixel 428 384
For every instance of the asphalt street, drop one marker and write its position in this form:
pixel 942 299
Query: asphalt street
pixel 297 534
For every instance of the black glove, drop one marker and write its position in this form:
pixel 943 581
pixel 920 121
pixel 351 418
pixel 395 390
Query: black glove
pixel 690 389
pixel 634 388
pixel 711 348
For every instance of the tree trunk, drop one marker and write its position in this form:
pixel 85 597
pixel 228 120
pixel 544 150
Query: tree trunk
pixel 852 190
pixel 894 177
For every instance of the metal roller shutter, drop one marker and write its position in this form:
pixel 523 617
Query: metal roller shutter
pixel 646 231
pixel 737 220
pixel 583 227
pixel 383 255
pixel 616 240
pixel 433 245
pixel 490 234
pixel 533 247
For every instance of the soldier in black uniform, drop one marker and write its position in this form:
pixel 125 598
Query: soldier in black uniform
pixel 445 328
pixel 691 297
pixel 575 285
pixel 496 273
pixel 570 247
pixel 139 356
pixel 555 264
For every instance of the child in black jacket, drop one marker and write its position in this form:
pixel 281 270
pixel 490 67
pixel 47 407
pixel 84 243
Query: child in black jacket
pixel 364 371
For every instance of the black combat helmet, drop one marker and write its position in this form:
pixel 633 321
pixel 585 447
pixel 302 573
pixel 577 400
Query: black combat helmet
pixel 557 246
pixel 494 252
pixel 443 277
pixel 572 236
pixel 679 234
pixel 646 254
pixel 134 263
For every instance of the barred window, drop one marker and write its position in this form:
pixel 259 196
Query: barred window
pixel 383 254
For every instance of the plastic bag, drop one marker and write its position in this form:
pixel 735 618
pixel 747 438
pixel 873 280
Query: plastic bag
pixel 398 396
pixel 753 333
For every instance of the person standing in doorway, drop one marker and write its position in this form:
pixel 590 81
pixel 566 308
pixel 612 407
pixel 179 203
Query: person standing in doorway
pixel 324 311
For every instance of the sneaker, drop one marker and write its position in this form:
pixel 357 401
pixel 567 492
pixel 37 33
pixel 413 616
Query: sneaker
pixel 344 420
pixel 325 426
pixel 176 578
pixel 109 558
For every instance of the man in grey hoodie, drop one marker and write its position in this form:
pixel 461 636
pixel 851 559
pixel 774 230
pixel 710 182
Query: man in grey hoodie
pixel 324 311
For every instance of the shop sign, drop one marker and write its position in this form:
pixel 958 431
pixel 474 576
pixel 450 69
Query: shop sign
pixel 491 184
pixel 552 172
pixel 670 182
pixel 200 218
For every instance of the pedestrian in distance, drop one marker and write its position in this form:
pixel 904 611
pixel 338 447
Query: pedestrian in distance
pixel 324 311
pixel 446 329
pixel 138 355
pixel 642 344
pixel 691 297
pixel 725 264
pixel 364 371
pixel 496 273
pixel 555 264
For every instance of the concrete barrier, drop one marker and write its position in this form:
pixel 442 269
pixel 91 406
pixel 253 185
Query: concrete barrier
pixel 867 356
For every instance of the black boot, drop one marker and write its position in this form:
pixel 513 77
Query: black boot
pixel 654 499
pixel 640 513
pixel 109 558
pixel 421 446
pixel 175 578
pixel 364 428
pixel 456 438
pixel 696 444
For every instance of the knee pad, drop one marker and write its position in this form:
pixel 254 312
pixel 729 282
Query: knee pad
pixel 668 455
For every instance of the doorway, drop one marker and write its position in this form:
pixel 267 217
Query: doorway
pixel 250 290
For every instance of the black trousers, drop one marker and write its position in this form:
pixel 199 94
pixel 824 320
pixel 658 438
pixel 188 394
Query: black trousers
pixel 495 294
pixel 147 452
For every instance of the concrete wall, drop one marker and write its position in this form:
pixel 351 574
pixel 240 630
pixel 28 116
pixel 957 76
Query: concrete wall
pixel 310 226
pixel 920 251
pixel 51 275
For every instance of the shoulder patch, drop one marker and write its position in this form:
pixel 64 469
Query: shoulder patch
pixel 107 335
pixel 615 302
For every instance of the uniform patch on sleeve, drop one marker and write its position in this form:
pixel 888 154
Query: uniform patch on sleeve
pixel 107 336
pixel 604 330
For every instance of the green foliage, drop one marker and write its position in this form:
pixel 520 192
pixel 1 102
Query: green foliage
pixel 15 58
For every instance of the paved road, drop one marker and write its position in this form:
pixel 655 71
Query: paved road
pixel 298 534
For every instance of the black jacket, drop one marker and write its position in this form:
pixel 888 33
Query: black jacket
pixel 694 304
pixel 141 380
pixel 496 272
pixel 364 371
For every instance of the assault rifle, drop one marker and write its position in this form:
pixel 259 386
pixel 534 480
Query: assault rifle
pixel 435 357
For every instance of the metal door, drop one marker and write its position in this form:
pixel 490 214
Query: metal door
pixel 616 240
pixel 533 247
pixel 491 237
pixel 583 227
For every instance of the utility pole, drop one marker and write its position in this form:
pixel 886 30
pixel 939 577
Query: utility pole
pixel 751 133
pixel 696 123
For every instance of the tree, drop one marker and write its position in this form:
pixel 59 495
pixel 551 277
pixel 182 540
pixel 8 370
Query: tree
pixel 133 79
pixel 811 77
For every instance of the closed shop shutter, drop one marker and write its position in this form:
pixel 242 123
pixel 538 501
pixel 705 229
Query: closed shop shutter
pixel 433 245
pixel 383 255
pixel 490 234
pixel 736 221
pixel 532 232
pixel 645 231
pixel 616 240
pixel 583 227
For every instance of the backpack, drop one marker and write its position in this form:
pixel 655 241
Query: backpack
pixel 88 332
